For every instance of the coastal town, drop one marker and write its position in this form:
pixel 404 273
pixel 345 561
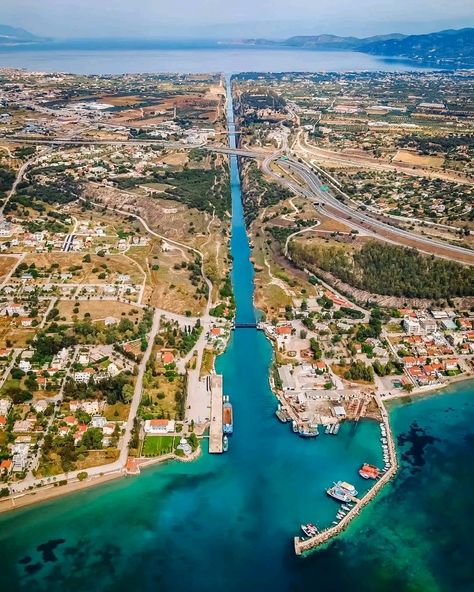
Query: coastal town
pixel 116 294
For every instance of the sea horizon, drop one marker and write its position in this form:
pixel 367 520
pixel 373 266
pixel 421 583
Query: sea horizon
pixel 188 56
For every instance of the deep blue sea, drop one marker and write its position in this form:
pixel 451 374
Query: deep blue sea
pixel 227 522
pixel 108 57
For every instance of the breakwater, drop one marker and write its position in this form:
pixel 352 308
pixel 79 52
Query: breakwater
pixel 304 545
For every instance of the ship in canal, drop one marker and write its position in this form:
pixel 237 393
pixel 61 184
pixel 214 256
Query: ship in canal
pixel 227 417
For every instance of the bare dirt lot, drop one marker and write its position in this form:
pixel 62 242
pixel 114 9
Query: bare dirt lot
pixel 83 272
pixel 6 265
pixel 97 309
pixel 409 157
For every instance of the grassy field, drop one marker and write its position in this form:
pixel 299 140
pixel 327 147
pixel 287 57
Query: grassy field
pixel 158 445
pixel 117 412
pixel 207 362
pixel 17 336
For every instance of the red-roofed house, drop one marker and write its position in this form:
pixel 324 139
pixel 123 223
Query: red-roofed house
pixel 80 431
pixel 320 366
pixel 284 330
pixel 159 426
pixel 451 364
pixel 167 357
pixel 5 467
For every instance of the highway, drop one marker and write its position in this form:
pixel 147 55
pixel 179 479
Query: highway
pixel 311 188
pixel 66 141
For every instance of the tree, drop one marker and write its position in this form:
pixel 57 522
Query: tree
pixel 127 393
pixel 315 348
pixel 193 440
pixel 82 476
pixel 92 439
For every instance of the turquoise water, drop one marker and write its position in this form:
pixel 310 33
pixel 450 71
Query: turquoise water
pixel 228 521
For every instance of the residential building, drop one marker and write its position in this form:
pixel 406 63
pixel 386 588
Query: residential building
pixel 412 326
pixel 159 426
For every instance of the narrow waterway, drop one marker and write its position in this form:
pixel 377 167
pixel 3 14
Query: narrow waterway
pixel 227 521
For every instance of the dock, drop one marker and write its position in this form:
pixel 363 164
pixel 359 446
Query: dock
pixel 304 545
pixel 215 429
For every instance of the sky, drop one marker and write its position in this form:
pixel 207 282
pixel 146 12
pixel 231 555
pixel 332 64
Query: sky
pixel 233 19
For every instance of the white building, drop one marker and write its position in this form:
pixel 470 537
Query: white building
pixel 13 308
pixel 83 375
pixel 98 421
pixel 112 370
pixel 412 326
pixel 20 456
pixel 159 426
pixel 24 365
pixel 5 405
pixel 429 325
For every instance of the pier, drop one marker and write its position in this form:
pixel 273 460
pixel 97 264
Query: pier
pixel 302 546
pixel 215 429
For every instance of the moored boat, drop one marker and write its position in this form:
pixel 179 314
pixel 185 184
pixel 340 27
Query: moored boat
pixel 282 414
pixel 342 491
pixel 227 419
pixel 368 471
pixel 309 529
pixel 225 443
pixel 308 432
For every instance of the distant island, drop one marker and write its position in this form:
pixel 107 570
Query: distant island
pixel 10 36
pixel 444 48
pixel 447 49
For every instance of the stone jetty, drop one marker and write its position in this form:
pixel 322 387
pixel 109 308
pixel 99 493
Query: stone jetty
pixel 304 545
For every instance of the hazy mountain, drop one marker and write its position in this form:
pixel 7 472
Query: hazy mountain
pixel 324 42
pixel 451 47
pixel 16 36
pixel 445 47
pixel 336 42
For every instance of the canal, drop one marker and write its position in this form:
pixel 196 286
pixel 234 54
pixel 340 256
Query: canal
pixel 228 521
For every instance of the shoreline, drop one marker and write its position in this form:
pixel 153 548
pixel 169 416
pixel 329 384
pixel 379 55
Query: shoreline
pixel 304 546
pixel 51 492
pixel 431 390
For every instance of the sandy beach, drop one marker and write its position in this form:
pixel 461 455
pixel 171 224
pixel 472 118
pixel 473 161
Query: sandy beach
pixel 52 491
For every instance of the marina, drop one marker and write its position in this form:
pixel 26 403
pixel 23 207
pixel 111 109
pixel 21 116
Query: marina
pixel 302 546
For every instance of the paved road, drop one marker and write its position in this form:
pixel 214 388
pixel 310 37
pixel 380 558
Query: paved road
pixel 119 464
pixel 19 176
pixel 311 189
pixel 63 141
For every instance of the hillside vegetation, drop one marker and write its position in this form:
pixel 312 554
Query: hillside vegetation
pixel 387 269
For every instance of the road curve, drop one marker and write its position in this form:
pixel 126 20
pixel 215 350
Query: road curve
pixel 312 189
